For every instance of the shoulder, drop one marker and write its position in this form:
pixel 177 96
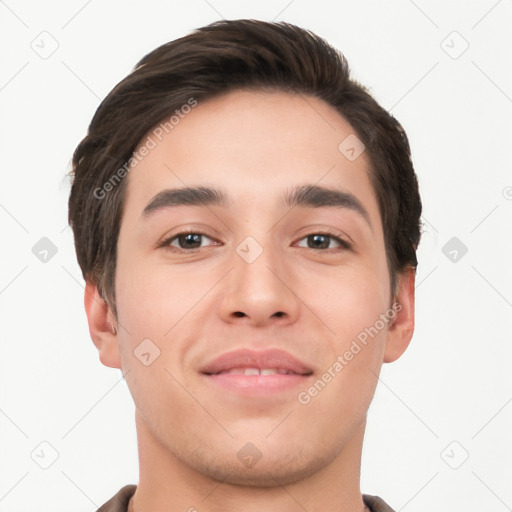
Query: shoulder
pixel 119 502
pixel 376 504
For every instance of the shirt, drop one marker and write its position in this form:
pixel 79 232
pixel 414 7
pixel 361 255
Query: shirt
pixel 119 502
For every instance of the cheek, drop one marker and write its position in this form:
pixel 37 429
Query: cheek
pixel 160 303
pixel 351 299
pixel 353 310
pixel 148 307
pixel 148 297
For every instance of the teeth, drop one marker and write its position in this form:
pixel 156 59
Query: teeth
pixel 257 371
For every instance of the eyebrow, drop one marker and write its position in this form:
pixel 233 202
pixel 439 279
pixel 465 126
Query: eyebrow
pixel 312 196
pixel 315 196
pixel 190 196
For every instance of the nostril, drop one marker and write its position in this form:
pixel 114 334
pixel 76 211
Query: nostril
pixel 239 314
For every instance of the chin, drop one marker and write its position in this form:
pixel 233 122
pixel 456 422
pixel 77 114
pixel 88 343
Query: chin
pixel 274 472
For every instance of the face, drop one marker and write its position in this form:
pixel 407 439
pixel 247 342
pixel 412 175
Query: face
pixel 290 280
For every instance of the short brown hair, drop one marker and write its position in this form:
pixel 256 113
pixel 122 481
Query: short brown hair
pixel 218 58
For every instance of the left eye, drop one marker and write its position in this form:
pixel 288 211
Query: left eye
pixel 322 240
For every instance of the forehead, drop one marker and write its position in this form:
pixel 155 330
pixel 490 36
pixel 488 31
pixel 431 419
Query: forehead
pixel 255 146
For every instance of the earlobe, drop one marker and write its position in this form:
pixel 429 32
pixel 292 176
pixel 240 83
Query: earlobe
pixel 102 326
pixel 402 326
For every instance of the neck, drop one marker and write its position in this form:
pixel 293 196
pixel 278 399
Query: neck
pixel 168 484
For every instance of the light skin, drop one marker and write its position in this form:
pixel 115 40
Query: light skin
pixel 197 299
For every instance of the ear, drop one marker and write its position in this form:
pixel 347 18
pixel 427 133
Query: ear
pixel 102 326
pixel 402 325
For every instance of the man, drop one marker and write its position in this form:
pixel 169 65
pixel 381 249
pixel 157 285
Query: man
pixel 253 353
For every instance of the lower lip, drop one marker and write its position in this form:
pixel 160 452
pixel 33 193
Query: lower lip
pixel 258 384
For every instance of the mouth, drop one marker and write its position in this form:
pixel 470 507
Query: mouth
pixel 257 373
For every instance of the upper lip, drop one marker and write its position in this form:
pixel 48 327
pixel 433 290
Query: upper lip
pixel 245 358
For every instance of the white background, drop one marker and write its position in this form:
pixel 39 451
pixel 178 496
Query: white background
pixel 454 382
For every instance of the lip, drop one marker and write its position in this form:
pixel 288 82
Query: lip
pixel 257 384
pixel 245 358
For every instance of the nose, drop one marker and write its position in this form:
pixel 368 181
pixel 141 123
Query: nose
pixel 259 291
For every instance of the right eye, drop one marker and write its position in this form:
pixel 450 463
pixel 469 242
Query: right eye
pixel 190 240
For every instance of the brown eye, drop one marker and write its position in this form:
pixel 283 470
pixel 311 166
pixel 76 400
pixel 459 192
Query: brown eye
pixel 323 240
pixel 186 241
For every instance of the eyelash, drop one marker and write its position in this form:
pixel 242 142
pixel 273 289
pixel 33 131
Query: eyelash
pixel 344 245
